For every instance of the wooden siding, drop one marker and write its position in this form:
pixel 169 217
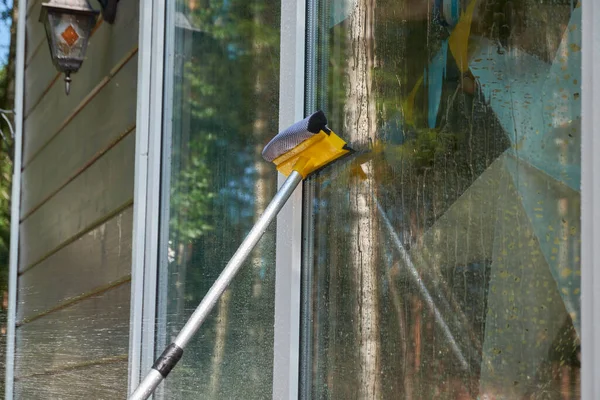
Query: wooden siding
pixel 92 329
pixel 107 254
pixel 109 47
pixel 103 381
pixel 76 215
pixel 98 192
pixel 115 120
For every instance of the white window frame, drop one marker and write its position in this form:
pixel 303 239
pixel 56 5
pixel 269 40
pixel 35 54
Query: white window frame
pixel 15 212
pixel 146 197
pixel 590 202
pixel 286 350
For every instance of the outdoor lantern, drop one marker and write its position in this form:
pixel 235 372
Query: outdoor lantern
pixel 69 24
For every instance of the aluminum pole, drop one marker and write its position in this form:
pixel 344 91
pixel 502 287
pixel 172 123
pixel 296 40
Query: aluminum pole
pixel 173 352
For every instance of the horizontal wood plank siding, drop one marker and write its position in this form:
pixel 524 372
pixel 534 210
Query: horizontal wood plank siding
pixel 38 76
pixel 98 382
pixel 110 120
pixel 107 254
pixel 31 4
pixel 101 190
pixel 93 329
pixel 36 33
pixel 76 215
pixel 47 108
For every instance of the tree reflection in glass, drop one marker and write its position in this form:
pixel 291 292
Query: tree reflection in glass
pixel 467 121
pixel 225 109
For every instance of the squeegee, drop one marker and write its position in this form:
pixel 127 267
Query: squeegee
pixel 297 152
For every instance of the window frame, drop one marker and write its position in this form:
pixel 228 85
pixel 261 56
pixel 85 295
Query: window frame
pixel 150 164
pixel 152 171
pixel 590 202
pixel 288 258
pixel 15 212
pixel 146 198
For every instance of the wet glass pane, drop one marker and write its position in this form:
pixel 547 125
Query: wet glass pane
pixel 443 257
pixel 223 89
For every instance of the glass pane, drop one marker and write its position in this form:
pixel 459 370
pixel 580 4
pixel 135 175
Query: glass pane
pixel 448 268
pixel 224 98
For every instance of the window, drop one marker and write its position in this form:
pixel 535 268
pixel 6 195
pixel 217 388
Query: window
pixel 444 258
pixel 441 260
pixel 223 93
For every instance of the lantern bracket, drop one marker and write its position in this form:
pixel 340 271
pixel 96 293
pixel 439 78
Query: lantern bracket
pixel 109 10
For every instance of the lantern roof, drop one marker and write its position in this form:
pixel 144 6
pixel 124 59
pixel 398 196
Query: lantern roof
pixel 73 5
